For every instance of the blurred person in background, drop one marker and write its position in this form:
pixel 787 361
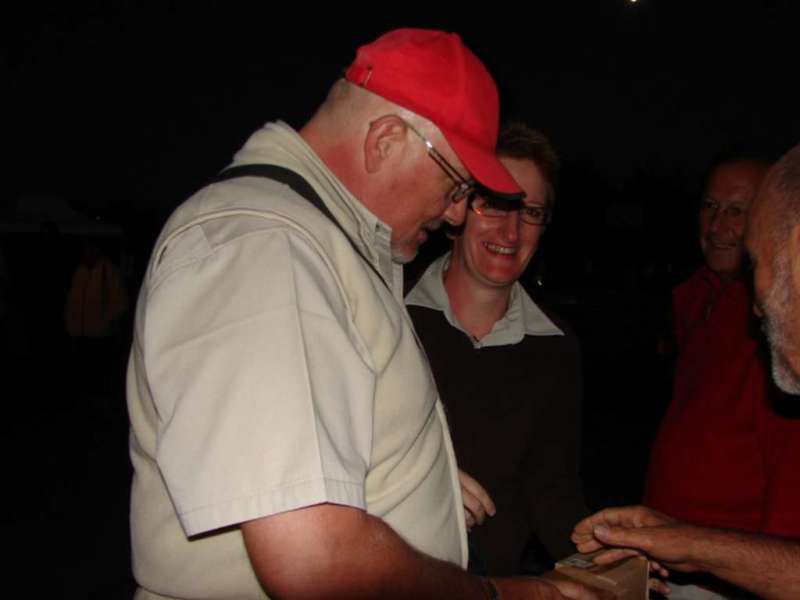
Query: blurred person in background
pixel 722 455
pixel 766 565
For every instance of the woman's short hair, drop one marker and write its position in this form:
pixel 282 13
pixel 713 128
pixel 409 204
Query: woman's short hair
pixel 518 140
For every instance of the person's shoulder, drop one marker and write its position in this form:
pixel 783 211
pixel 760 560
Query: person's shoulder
pixel 700 278
pixel 560 347
pixel 260 197
pixel 555 317
pixel 561 353
pixel 230 211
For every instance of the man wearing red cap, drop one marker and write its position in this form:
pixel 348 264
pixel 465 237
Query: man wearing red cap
pixel 286 434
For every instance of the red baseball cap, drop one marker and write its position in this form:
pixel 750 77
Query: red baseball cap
pixel 433 74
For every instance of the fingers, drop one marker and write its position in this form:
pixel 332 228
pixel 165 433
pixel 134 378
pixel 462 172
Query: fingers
pixel 615 555
pixel 624 516
pixel 477 501
pixel 616 527
pixel 473 510
pixel 477 491
pixel 469 518
pixel 586 545
pixel 658 568
pixel 633 542
pixel 659 586
pixel 584 530
pixel 638 539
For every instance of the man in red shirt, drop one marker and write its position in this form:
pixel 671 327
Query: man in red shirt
pixel 721 457
pixel 762 564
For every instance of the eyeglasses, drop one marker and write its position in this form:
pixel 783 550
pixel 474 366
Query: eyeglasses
pixel 494 207
pixel 463 187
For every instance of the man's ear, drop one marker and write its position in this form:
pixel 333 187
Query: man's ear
pixel 385 137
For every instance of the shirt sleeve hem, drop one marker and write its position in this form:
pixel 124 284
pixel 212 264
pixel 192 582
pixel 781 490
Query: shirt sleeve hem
pixel 295 496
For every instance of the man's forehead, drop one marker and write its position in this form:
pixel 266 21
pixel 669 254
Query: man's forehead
pixel 738 180
pixel 726 189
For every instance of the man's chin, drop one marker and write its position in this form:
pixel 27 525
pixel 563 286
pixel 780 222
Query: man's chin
pixel 403 256
pixel 782 373
pixel 784 377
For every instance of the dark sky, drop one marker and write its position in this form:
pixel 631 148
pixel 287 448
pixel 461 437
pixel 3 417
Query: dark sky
pixel 136 107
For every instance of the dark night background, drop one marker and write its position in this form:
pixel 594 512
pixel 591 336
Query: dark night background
pixel 123 111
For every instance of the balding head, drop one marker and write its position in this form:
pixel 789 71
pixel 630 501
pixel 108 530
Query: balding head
pixel 410 129
pixel 773 241
pixel 343 120
pixel 729 191
pixel 374 148
pixel 780 195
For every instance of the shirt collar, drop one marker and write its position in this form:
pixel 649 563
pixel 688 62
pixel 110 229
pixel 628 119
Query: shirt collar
pixel 277 143
pixel 522 318
pixel 716 281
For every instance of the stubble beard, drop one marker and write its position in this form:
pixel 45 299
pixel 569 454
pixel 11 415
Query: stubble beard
pixel 402 255
pixel 402 258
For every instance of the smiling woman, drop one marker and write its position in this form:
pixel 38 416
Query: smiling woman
pixel 497 244
pixel 507 371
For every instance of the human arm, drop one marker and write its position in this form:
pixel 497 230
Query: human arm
pixel 477 501
pixel 767 566
pixel 331 551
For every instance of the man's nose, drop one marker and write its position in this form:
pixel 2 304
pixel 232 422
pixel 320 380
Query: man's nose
pixel 718 220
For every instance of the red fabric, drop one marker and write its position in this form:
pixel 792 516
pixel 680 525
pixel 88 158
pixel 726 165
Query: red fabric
pixel 432 74
pixel 723 457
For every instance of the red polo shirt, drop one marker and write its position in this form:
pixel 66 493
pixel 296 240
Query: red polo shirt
pixel 723 457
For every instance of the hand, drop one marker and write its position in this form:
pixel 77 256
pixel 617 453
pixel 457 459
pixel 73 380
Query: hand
pixel 535 588
pixel 627 516
pixel 640 530
pixel 477 501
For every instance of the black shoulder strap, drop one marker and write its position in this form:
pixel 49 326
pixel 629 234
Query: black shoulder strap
pixel 301 187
